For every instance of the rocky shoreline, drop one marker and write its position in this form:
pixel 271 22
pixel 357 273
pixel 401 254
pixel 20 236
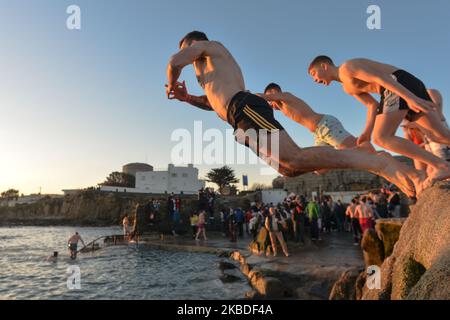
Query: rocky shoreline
pixel 306 275
pixel 88 208
pixel 412 256
pixel 62 222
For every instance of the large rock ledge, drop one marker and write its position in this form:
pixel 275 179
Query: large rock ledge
pixel 264 285
pixel 419 266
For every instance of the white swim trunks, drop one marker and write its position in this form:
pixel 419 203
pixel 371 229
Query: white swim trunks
pixel 330 132
pixel 439 150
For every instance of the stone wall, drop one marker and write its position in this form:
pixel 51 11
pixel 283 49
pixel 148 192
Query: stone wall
pixel 95 208
pixel 87 208
pixel 337 180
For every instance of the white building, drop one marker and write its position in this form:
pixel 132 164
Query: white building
pixel 274 196
pixel 175 179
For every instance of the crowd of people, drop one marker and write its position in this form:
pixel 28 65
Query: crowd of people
pixel 293 219
pixel 296 218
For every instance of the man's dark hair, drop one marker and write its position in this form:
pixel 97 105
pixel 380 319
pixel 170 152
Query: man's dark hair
pixel 272 86
pixel 320 59
pixel 193 35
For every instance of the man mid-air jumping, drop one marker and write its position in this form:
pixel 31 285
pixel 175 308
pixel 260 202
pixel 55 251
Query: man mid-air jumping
pixel 221 78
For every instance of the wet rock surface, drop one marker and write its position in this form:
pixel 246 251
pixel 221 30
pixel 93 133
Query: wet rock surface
pixel 373 248
pixel 418 267
pixel 308 274
pixel 345 288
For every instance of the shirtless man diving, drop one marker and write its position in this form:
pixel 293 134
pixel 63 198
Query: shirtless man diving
pixel 424 138
pixel 327 130
pixel 221 78
pixel 403 96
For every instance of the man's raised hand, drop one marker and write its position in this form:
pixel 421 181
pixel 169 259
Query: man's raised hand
pixel 178 91
pixel 364 138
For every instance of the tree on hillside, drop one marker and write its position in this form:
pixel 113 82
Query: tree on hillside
pixel 10 194
pixel 278 183
pixel 223 177
pixel 120 179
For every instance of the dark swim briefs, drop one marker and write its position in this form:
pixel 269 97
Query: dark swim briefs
pixel 247 111
pixel 391 102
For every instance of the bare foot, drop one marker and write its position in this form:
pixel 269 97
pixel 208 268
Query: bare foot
pixel 396 173
pixel 367 147
pixel 419 178
pixel 436 175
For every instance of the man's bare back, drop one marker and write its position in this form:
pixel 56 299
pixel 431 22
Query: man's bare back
pixel 74 239
pixel 326 129
pixel 355 86
pixel 295 109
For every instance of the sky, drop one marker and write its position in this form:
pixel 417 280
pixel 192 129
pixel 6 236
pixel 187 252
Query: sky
pixel 76 105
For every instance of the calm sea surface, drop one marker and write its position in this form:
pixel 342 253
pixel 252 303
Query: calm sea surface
pixel 115 272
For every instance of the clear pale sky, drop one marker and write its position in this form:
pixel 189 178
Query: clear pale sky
pixel 77 105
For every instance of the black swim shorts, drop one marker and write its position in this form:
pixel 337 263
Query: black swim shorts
pixel 391 102
pixel 248 111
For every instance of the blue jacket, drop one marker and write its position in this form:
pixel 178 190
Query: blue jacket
pixel 239 215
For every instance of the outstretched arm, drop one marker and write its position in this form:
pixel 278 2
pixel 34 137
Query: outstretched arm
pixel 199 102
pixel 369 74
pixel 290 107
pixel 183 58
pixel 372 106
pixel 273 96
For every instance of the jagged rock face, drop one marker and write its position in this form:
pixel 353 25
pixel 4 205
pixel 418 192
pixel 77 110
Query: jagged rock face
pixel 388 230
pixel 87 208
pixel 373 248
pixel 345 288
pixel 419 267
pixel 435 283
